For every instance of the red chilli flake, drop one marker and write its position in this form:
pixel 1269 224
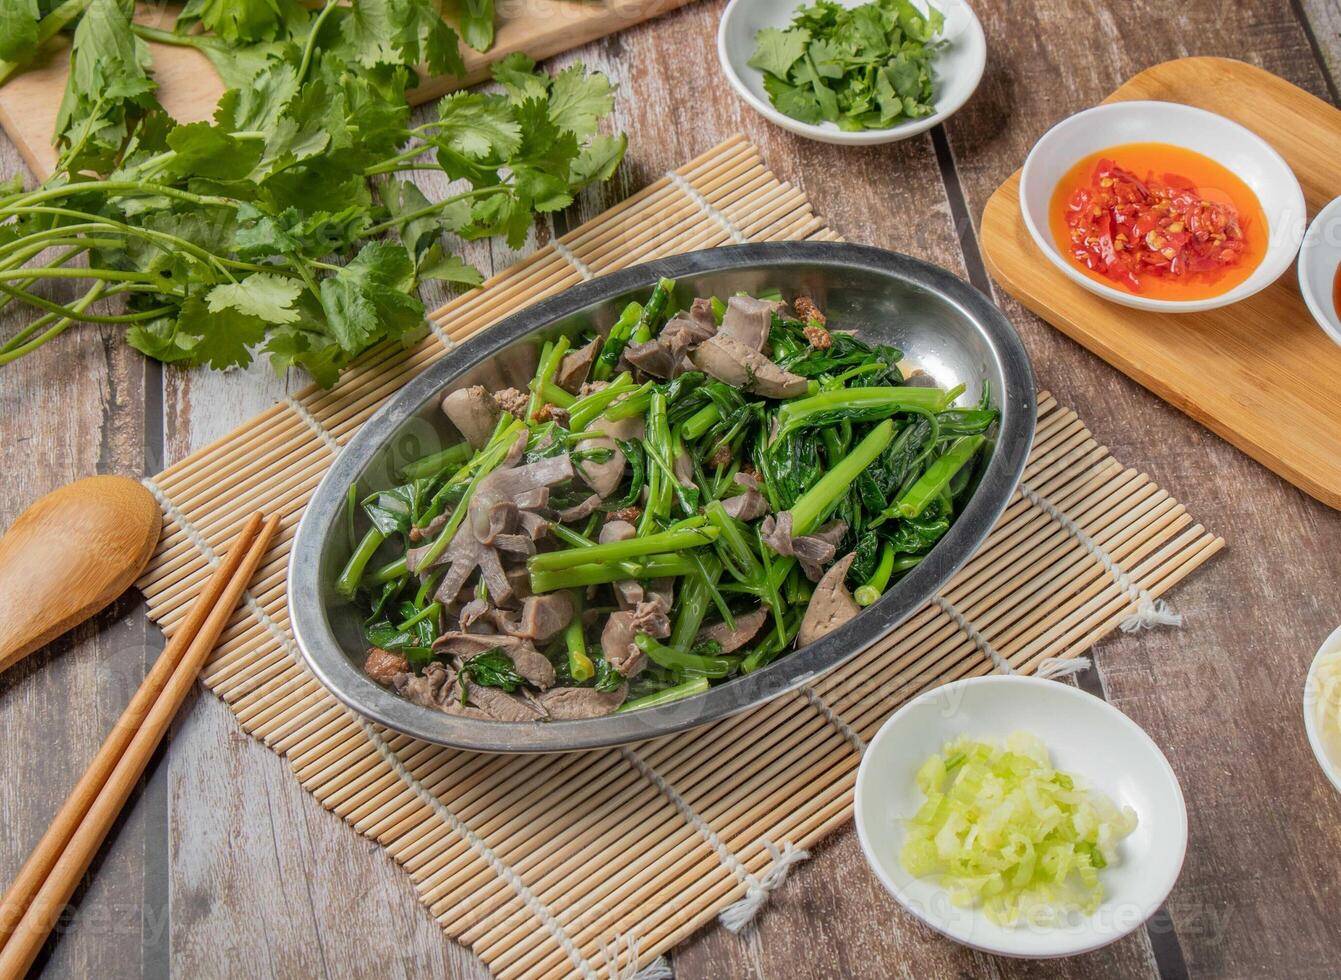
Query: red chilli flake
pixel 1126 228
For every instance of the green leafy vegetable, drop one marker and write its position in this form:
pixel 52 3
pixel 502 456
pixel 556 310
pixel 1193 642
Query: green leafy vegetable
pixel 866 67
pixel 493 668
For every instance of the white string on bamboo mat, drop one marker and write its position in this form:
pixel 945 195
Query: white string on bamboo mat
pixel 707 207
pixel 441 334
pixel 1150 612
pixel 1058 667
pixel 572 258
pixel 834 719
pixel 969 630
pixel 658 969
pixel 313 423
pixel 738 915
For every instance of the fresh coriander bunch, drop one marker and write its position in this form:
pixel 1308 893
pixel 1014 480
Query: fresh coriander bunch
pixel 285 225
pixel 866 67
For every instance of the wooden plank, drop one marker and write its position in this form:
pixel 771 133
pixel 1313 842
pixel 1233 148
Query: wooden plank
pixel 73 408
pixel 1272 399
pixel 1221 695
pixel 189 87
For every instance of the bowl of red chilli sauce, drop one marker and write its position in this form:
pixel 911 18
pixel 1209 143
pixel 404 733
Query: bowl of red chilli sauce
pixel 1320 269
pixel 1161 206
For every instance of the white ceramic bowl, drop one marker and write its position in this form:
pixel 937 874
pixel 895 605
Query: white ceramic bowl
pixel 1318 260
pixel 1325 738
pixel 1086 736
pixel 1237 149
pixel 957 68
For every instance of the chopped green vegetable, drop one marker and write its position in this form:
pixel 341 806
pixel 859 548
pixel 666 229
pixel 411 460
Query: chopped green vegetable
pixel 865 67
pixel 1005 830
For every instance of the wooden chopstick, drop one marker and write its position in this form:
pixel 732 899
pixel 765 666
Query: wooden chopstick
pixel 33 903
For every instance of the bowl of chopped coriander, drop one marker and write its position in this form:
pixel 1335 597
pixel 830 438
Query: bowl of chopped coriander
pixel 850 72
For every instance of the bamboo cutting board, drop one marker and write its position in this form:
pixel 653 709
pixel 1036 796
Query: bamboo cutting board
pixel 189 88
pixel 1259 373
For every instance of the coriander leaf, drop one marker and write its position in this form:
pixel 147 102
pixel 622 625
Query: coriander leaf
pixel 264 295
pixel 477 126
pixel 18 30
pixel 597 160
pixel 289 346
pixel 222 339
pixel 776 51
pixel 447 268
pixel 799 103
pixel 241 20
pixel 203 150
pixel 517 74
pixel 108 87
pixel 259 103
pixel 477 24
pixel 403 198
pixel 366 300
pixel 861 67
pixel 578 98
pixel 544 192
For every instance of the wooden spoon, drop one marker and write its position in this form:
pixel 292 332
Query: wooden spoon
pixel 69 555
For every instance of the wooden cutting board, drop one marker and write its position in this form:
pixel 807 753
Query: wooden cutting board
pixel 189 88
pixel 1260 373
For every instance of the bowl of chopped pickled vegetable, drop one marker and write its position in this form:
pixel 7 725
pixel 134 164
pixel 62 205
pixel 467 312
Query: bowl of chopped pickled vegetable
pixel 1021 816
pixel 853 72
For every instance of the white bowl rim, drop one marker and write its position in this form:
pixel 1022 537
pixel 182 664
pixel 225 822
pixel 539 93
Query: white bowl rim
pixel 1330 769
pixel 1317 294
pixel 1272 266
pixel 830 133
pixel 1164 887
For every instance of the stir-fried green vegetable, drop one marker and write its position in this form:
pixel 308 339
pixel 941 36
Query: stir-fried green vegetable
pixel 645 524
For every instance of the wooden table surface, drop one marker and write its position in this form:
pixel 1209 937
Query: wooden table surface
pixel 223 866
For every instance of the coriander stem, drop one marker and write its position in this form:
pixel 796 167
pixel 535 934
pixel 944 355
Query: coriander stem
pixel 60 309
pixel 430 209
pixel 56 330
pixel 109 187
pixel 311 43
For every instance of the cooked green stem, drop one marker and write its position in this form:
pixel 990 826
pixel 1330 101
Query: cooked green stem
pixel 938 475
pixel 579 664
pixel 810 510
pixel 348 582
pixel 865 404
pixel 666 695
pixel 651 544
pixel 437 462
pixel 682 661
pixel 657 566
pixel 874 587
pixel 430 612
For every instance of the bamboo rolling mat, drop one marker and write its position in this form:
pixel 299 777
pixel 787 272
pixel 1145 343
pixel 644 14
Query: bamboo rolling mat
pixel 590 864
